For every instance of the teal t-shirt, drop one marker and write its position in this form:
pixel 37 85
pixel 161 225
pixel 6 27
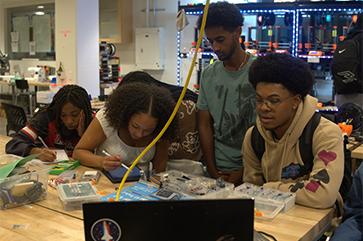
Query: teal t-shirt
pixel 226 95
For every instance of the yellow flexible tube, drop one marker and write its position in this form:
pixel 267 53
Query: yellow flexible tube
pixel 176 106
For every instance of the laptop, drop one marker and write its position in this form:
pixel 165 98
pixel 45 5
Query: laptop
pixel 201 219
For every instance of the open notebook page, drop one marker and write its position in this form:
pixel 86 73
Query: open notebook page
pixel 61 156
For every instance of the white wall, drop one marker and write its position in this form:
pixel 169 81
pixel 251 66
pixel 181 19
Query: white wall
pixel 66 43
pixel 88 46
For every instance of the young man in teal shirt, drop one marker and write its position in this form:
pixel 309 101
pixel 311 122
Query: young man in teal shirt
pixel 224 111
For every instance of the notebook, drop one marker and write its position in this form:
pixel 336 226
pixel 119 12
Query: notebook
pixel 61 156
pixel 212 219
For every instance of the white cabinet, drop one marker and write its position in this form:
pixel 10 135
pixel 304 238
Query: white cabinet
pixel 115 21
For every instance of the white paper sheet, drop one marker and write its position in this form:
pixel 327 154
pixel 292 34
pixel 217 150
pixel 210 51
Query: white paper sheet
pixel 14 36
pixel 61 156
pixel 14 47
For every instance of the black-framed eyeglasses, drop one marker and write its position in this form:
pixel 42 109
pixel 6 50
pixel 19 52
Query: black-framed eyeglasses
pixel 271 103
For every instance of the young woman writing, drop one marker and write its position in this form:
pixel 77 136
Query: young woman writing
pixel 60 125
pixel 133 116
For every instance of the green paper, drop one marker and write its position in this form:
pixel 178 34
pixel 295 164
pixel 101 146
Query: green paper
pixel 7 169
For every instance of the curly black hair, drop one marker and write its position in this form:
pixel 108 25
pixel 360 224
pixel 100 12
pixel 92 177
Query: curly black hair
pixel 222 14
pixel 74 94
pixel 133 98
pixel 293 73
pixel 144 77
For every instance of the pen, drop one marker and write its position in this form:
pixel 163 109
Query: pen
pixel 107 154
pixel 41 139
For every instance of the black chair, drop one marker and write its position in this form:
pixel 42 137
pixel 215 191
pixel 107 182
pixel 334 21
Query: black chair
pixel 23 86
pixel 16 118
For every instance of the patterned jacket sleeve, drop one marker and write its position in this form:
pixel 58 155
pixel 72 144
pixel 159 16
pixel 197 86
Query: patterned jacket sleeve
pixel 25 139
pixel 321 189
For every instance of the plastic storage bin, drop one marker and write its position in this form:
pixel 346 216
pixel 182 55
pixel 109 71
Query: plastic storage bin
pixel 194 186
pixel 266 195
pixel 23 188
pixel 73 195
pixel 267 209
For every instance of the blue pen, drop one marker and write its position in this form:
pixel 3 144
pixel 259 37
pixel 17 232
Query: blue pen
pixel 41 139
pixel 107 154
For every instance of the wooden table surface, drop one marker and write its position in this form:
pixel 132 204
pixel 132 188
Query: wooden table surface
pixel 48 221
pixel 358 152
pixel 299 223
pixel 3 141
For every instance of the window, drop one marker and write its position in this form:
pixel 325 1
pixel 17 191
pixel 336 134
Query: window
pixel 31 28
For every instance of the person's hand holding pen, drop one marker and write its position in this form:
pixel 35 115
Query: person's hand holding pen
pixel 47 154
pixel 111 162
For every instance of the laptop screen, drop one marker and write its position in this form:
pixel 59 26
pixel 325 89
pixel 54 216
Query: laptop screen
pixel 212 219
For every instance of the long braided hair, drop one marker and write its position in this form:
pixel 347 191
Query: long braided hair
pixel 74 94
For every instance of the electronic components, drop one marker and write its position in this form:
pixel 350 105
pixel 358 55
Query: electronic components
pixel 193 186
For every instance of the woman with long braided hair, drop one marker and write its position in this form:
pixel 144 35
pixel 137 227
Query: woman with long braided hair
pixel 60 124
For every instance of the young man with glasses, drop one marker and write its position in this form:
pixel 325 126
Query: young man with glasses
pixel 224 112
pixel 284 109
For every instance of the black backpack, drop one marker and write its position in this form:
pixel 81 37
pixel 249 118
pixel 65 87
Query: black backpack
pixel 346 66
pixel 306 152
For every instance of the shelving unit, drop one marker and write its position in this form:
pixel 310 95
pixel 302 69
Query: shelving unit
pixel 250 33
pixel 308 33
pixel 321 27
